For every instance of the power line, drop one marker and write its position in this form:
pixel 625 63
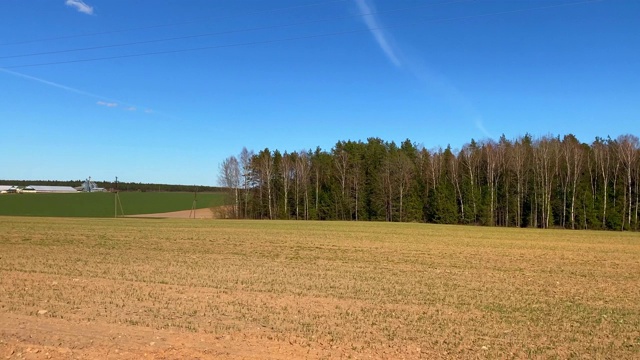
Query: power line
pixel 173 24
pixel 228 32
pixel 302 37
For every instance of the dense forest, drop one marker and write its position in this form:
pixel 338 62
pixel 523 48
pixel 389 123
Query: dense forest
pixel 528 182
pixel 122 186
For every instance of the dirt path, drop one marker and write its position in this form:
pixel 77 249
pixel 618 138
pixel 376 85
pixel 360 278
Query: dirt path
pixel 205 213
pixel 28 337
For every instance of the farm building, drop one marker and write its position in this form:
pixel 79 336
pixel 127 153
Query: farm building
pixel 90 186
pixel 8 189
pixel 48 189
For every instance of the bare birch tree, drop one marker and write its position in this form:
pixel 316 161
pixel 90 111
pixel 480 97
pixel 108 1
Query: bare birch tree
pixel 472 164
pixel 519 161
pixel 265 170
pixel 545 158
pixel 455 173
pixel 303 167
pixel 245 164
pixel 603 163
pixel 341 162
pixel 492 160
pixel 287 176
pixel 403 171
pixel 229 177
pixel 627 151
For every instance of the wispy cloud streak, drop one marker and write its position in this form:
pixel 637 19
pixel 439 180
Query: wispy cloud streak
pixel 480 126
pixel 379 35
pixel 107 104
pixel 81 6
pixel 414 66
pixel 102 100
pixel 51 83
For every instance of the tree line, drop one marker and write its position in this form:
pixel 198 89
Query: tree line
pixel 121 186
pixel 539 182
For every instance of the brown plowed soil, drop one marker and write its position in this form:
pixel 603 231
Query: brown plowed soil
pixel 184 214
pixel 27 337
pixel 76 288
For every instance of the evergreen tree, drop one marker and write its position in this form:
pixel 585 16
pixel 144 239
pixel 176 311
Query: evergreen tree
pixel 543 182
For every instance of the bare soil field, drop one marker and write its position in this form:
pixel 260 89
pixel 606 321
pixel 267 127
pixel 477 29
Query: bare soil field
pixel 205 213
pixel 224 289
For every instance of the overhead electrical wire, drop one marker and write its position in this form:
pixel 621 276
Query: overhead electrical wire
pixel 261 42
pixel 192 21
pixel 229 31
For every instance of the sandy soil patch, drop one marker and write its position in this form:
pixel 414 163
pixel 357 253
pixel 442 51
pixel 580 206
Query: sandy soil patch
pixel 184 214
pixel 26 337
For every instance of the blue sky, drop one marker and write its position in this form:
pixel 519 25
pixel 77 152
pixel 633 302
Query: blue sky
pixel 294 75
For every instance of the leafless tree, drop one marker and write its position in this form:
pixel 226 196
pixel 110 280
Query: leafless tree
pixel 545 159
pixel 579 155
pixel 288 166
pixel 472 164
pixel 341 162
pixel 245 164
pixel 355 174
pixel 637 182
pixel 403 171
pixel 386 177
pixel 229 177
pixel 490 149
pixel 593 173
pixel 519 160
pixel 265 171
pixel 303 166
pixel 504 176
pixel 627 151
pixel 434 166
pixel 455 173
pixel 603 164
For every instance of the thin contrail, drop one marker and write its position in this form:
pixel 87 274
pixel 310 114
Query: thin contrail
pixel 59 86
pixel 372 24
pixel 103 100
pixel 452 94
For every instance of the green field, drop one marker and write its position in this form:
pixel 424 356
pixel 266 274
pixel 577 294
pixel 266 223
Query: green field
pixel 102 204
pixel 232 289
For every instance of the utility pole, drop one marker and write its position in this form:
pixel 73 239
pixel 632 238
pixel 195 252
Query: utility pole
pixel 117 202
pixel 194 205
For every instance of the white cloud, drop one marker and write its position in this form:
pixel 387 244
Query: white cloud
pixel 80 6
pixel 438 83
pixel 107 104
pixel 480 126
pixel 374 27
pixel 51 83
pixel 102 100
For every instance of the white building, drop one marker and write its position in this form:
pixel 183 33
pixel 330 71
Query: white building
pixel 7 189
pixel 48 189
pixel 90 186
